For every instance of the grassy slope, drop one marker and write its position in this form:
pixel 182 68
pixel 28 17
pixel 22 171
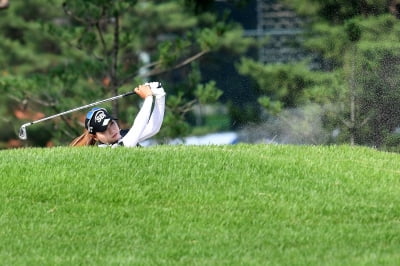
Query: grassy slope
pixel 208 205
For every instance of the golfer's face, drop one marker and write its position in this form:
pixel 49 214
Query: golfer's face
pixel 111 134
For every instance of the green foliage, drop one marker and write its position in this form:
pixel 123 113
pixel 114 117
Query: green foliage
pixel 289 85
pixel 208 205
pixel 243 115
pixel 392 142
pixel 353 31
pixel 328 40
pixel 273 107
pixel 174 122
pixel 207 93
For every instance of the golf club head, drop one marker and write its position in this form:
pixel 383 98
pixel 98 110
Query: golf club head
pixel 22 132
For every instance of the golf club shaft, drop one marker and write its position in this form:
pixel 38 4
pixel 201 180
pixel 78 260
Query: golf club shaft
pixel 22 133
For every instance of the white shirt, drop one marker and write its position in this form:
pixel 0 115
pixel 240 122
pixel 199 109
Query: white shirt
pixel 147 123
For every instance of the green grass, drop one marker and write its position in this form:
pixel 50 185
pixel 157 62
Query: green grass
pixel 207 205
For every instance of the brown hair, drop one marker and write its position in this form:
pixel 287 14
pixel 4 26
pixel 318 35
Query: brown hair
pixel 86 139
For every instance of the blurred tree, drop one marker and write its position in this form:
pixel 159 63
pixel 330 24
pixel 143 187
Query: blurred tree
pixel 361 38
pixel 289 85
pixel 61 54
pixel 377 80
pixel 358 44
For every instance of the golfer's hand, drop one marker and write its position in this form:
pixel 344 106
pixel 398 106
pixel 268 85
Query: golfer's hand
pixel 143 91
pixel 156 89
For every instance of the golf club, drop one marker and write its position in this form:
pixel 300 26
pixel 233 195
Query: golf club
pixel 22 130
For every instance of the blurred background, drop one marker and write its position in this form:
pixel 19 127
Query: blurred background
pixel 314 72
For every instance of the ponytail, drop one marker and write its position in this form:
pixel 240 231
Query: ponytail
pixel 86 139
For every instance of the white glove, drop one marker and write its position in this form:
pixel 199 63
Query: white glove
pixel 156 89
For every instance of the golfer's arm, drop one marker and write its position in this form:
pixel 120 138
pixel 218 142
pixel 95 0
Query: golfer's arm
pixel 131 139
pixel 156 119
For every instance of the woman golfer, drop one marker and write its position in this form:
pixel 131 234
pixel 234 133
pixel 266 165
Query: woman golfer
pixel 102 129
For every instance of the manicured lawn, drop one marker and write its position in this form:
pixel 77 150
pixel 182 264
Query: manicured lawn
pixel 200 205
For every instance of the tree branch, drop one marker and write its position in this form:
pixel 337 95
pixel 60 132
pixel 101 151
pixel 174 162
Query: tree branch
pixel 347 123
pixel 186 107
pixel 158 71
pixel 365 121
pixel 182 64
pixel 102 41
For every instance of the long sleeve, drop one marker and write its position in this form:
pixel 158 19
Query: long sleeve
pixel 156 119
pixel 132 138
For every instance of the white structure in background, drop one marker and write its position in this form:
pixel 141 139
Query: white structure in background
pixel 223 138
pixel 145 58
